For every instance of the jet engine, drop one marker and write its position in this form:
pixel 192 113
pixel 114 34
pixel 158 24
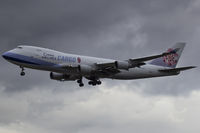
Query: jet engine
pixel 85 69
pixel 62 77
pixel 122 65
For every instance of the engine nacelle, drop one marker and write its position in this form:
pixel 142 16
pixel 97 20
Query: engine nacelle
pixel 122 65
pixel 85 69
pixel 61 77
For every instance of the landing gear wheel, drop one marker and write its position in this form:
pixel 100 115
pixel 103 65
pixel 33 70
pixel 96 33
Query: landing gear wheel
pixel 90 82
pixel 98 82
pixel 94 83
pixel 79 81
pixel 81 84
pixel 22 73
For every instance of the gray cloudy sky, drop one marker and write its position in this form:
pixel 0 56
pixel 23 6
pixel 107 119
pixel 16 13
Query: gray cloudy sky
pixel 111 29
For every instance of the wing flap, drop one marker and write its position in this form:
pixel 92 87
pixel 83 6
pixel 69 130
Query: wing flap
pixel 107 68
pixel 105 65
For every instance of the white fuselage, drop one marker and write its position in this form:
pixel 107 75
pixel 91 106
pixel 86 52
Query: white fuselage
pixel 50 60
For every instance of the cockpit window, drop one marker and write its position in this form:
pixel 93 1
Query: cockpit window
pixel 19 47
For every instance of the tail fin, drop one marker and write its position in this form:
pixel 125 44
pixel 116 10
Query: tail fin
pixel 172 59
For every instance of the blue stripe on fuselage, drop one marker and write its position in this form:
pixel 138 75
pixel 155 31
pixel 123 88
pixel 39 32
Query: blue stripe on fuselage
pixel 25 59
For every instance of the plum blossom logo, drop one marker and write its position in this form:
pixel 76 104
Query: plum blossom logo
pixel 171 59
pixel 79 60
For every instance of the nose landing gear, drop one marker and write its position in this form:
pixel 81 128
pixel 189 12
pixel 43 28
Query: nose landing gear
pixel 22 72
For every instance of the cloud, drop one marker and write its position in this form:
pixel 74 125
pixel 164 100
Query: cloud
pixel 110 29
pixel 103 109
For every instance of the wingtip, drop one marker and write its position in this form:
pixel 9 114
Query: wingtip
pixel 191 67
pixel 194 66
pixel 181 43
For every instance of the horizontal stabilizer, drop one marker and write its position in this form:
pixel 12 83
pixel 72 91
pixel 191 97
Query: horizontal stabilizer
pixel 177 69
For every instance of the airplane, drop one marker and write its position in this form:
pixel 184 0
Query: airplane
pixel 71 67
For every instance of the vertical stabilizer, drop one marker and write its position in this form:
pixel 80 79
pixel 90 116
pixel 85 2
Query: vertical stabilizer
pixel 172 59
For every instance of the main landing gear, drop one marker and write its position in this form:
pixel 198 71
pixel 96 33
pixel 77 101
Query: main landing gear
pixel 91 82
pixel 80 82
pixel 22 72
pixel 94 82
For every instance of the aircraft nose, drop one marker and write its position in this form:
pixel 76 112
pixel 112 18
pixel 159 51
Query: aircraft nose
pixel 4 55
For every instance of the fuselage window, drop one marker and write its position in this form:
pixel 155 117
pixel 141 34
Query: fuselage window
pixel 39 50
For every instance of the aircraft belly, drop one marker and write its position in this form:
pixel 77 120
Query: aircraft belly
pixel 39 67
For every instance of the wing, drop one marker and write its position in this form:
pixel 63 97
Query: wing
pixel 107 68
pixel 69 67
pixel 66 65
pixel 141 61
pixel 115 66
